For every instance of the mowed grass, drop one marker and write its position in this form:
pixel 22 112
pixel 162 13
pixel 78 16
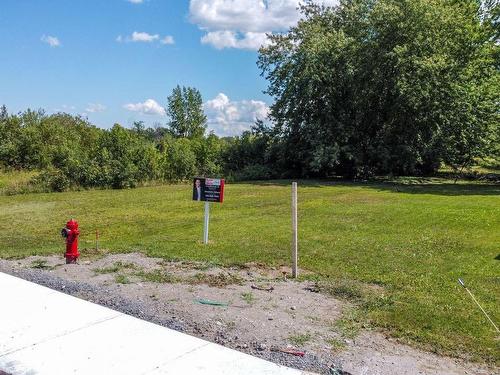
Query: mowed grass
pixel 413 241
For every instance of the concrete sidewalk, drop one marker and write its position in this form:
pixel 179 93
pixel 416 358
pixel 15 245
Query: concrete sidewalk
pixel 43 331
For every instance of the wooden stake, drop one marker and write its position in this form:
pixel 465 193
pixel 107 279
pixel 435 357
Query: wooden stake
pixel 97 240
pixel 294 231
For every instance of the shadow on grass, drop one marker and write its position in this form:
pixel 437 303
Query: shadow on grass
pixel 415 186
pixel 448 189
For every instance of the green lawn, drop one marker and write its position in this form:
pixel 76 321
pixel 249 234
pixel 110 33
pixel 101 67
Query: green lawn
pixel 412 240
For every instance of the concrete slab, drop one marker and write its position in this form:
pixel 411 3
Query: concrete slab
pixel 43 331
pixel 35 317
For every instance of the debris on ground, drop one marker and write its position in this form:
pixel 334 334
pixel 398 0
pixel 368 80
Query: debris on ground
pixel 210 302
pixel 264 288
pixel 313 288
pixel 289 351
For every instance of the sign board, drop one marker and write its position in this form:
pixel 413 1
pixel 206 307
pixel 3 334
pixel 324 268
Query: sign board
pixel 208 189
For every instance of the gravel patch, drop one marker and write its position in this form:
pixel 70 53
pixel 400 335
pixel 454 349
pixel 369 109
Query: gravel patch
pixel 261 312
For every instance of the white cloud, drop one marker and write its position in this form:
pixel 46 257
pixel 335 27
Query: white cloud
pixel 136 1
pixel 95 108
pixel 51 40
pixel 244 23
pixel 149 107
pixel 144 37
pixel 167 39
pixel 229 118
pixel 138 36
pixel 231 39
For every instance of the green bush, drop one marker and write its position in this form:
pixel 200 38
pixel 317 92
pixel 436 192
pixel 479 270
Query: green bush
pixel 52 180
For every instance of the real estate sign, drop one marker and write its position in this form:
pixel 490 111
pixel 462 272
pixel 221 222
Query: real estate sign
pixel 208 189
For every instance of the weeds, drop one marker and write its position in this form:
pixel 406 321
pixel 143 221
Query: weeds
pixel 350 324
pixel 156 276
pixel 248 297
pixel 344 289
pixel 364 299
pixel 41 264
pixel 117 266
pixel 122 279
pixel 220 280
pixel 300 340
pixel 202 266
pixel 336 344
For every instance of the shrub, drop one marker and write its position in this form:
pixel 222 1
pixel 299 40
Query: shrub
pixel 52 180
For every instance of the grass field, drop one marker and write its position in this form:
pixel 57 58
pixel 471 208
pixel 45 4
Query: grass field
pixel 413 241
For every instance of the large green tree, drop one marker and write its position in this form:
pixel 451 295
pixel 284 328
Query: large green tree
pixel 185 109
pixel 385 86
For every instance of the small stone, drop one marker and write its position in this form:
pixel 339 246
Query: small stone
pixel 262 347
pixel 293 308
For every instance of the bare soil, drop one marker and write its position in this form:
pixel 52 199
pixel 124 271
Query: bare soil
pixel 261 312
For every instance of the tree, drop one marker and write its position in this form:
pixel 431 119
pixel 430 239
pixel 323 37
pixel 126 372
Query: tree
pixel 4 114
pixel 185 109
pixel 178 160
pixel 251 156
pixel 139 128
pixel 384 86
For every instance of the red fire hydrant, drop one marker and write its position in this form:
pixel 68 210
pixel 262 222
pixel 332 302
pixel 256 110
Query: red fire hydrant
pixel 71 232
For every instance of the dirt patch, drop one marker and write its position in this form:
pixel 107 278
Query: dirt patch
pixel 253 309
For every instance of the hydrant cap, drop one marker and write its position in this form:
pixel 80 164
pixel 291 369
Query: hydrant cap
pixel 72 224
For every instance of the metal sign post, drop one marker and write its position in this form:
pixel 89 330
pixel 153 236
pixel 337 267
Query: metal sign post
pixel 208 190
pixel 207 218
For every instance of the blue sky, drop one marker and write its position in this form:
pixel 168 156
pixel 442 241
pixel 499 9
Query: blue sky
pixel 118 60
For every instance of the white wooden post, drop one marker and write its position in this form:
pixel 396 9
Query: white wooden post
pixel 96 240
pixel 205 228
pixel 294 230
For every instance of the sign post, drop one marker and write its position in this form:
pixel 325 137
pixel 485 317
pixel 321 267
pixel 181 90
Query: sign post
pixel 208 190
pixel 207 219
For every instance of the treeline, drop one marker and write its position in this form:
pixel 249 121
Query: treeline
pixel 71 153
